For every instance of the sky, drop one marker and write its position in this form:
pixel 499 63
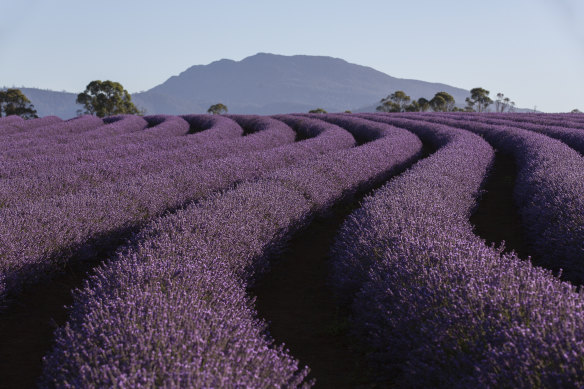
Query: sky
pixel 530 50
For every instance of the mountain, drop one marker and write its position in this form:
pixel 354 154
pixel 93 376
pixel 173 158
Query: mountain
pixel 268 83
pixel 263 84
pixel 48 102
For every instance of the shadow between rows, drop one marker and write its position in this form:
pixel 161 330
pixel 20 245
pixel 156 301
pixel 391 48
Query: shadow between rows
pixel 496 218
pixel 296 300
pixel 28 323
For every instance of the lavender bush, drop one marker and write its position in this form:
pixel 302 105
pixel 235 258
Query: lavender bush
pixel 92 172
pixel 14 126
pixel 196 207
pixel 548 192
pixel 68 148
pixel 437 306
pixel 182 282
pixel 7 120
pixel 38 237
pixel 570 133
pixel 562 120
pixel 52 134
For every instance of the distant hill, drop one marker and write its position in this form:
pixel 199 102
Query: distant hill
pixel 269 83
pixel 263 84
pixel 48 102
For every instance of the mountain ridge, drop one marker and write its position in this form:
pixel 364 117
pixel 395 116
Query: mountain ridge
pixel 263 83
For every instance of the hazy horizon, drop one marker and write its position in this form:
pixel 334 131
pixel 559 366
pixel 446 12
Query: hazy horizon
pixel 532 51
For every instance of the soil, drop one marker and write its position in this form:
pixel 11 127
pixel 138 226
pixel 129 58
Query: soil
pixel 497 217
pixel 296 300
pixel 27 326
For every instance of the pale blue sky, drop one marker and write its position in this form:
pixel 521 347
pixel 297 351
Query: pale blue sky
pixel 531 50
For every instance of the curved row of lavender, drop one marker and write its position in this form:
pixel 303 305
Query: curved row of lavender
pixel 38 237
pixel 120 136
pixel 548 192
pixel 12 126
pixel 128 129
pixel 189 150
pixel 11 119
pixel 183 281
pixel 437 306
pixel 562 120
pixel 568 133
pixel 119 139
pixel 63 145
pixel 52 134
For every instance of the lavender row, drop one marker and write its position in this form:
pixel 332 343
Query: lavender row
pixel 121 134
pixel 455 147
pixel 221 126
pixel 568 133
pixel 56 178
pixel 362 129
pixel 25 126
pixel 545 118
pixel 9 120
pixel 53 134
pixel 560 120
pixel 183 283
pixel 118 139
pixel 437 306
pixel 127 127
pixel 549 192
pixel 59 146
pixel 37 237
pixel 165 134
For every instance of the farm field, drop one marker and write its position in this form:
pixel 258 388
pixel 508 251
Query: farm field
pixel 326 250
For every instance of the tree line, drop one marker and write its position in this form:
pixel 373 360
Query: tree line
pixel 479 101
pixel 106 98
pixel 100 98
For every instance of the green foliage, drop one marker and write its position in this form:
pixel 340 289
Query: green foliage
pixel 442 102
pixel 423 104
pixel 106 98
pixel 413 107
pixel 503 103
pixel 317 110
pixel 395 102
pixel 14 102
pixel 420 105
pixel 348 111
pixel 480 99
pixel 217 109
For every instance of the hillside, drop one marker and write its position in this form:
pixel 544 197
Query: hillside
pixel 262 84
pixel 269 84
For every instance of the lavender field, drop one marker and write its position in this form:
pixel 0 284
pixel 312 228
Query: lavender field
pixel 328 250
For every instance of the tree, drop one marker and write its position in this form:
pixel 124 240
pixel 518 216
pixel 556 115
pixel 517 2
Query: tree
pixel 395 102
pixel 413 107
pixel 479 98
pixel 217 109
pixel 576 111
pixel 442 102
pixel 317 110
pixel 106 98
pixel 504 103
pixel 423 104
pixel 420 105
pixel 14 102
